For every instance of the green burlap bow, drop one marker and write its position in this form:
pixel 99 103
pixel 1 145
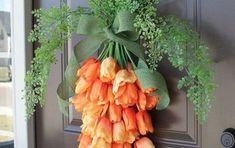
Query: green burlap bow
pixel 121 31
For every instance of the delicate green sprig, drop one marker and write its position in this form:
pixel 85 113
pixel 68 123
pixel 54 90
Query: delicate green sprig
pixel 105 10
pixel 161 36
pixel 52 29
pixel 187 52
pixel 176 40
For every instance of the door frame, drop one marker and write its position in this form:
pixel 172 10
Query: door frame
pixel 21 24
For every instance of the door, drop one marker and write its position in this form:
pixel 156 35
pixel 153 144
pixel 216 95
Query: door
pixel 176 126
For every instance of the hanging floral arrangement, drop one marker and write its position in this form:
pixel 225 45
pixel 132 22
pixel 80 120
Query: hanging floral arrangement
pixel 116 89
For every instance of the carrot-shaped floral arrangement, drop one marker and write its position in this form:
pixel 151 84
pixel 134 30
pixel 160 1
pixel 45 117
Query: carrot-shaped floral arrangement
pixel 114 106
pixel 115 89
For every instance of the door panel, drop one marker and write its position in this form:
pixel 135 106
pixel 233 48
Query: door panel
pixel 176 126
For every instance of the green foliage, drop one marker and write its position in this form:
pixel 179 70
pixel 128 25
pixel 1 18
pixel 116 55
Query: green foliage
pixel 105 10
pixel 52 30
pixel 173 38
pixel 187 52
pixel 161 36
pixel 145 22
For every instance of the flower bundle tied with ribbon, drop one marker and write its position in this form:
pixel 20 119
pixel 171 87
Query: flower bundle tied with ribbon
pixel 120 43
pixel 115 89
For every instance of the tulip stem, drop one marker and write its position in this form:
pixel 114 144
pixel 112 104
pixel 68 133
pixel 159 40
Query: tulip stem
pixel 128 54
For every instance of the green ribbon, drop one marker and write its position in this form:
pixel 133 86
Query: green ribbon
pixel 121 31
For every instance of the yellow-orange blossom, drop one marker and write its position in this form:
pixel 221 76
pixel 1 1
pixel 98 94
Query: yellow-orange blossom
pixel 113 106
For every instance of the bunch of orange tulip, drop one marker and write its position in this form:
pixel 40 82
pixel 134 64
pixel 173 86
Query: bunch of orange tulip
pixel 113 105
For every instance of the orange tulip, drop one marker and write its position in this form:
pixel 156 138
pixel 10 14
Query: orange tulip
pixel 132 136
pixel 129 118
pixel 152 101
pixel 108 70
pixel 84 141
pixel 129 96
pixel 91 113
pixel 104 129
pixel 121 91
pixel 82 85
pixel 122 77
pixel 144 122
pixel 115 113
pixel 110 95
pixel 85 66
pixel 119 132
pixel 95 91
pixel 144 143
pixel 100 143
pixel 142 100
pixel 90 70
pixel 79 101
pixel 121 145
pixel 99 92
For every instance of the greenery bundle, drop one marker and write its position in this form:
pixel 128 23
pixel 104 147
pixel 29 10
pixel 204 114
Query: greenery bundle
pixel 160 37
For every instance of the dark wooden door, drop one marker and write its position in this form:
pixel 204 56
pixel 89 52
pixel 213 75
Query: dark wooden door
pixel 177 126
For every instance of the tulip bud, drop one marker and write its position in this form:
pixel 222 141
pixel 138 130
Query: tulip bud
pixel 144 143
pixel 144 122
pixel 108 69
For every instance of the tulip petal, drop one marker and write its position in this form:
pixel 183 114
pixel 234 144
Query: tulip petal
pixel 119 132
pixel 84 141
pixel 152 101
pixel 144 122
pixel 129 118
pixel 115 113
pixel 108 70
pixel 82 85
pixel 104 129
pixel 79 101
pixel 100 143
pixel 122 77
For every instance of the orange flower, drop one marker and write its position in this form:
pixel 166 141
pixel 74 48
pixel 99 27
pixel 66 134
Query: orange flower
pixel 108 70
pixel 110 95
pixel 85 66
pixel 152 101
pixel 90 69
pixel 85 141
pixel 132 136
pixel 99 92
pixel 91 113
pixel 115 113
pixel 129 97
pixel 122 77
pixel 142 100
pixel 144 122
pixel 79 101
pixel 144 143
pixel 82 85
pixel 104 130
pixel 121 145
pixel 146 102
pixel 119 132
pixel 100 143
pixel 129 118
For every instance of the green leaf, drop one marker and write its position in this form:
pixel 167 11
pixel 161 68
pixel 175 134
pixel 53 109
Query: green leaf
pixel 71 71
pixel 89 46
pixel 63 94
pixel 153 79
pixel 142 64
